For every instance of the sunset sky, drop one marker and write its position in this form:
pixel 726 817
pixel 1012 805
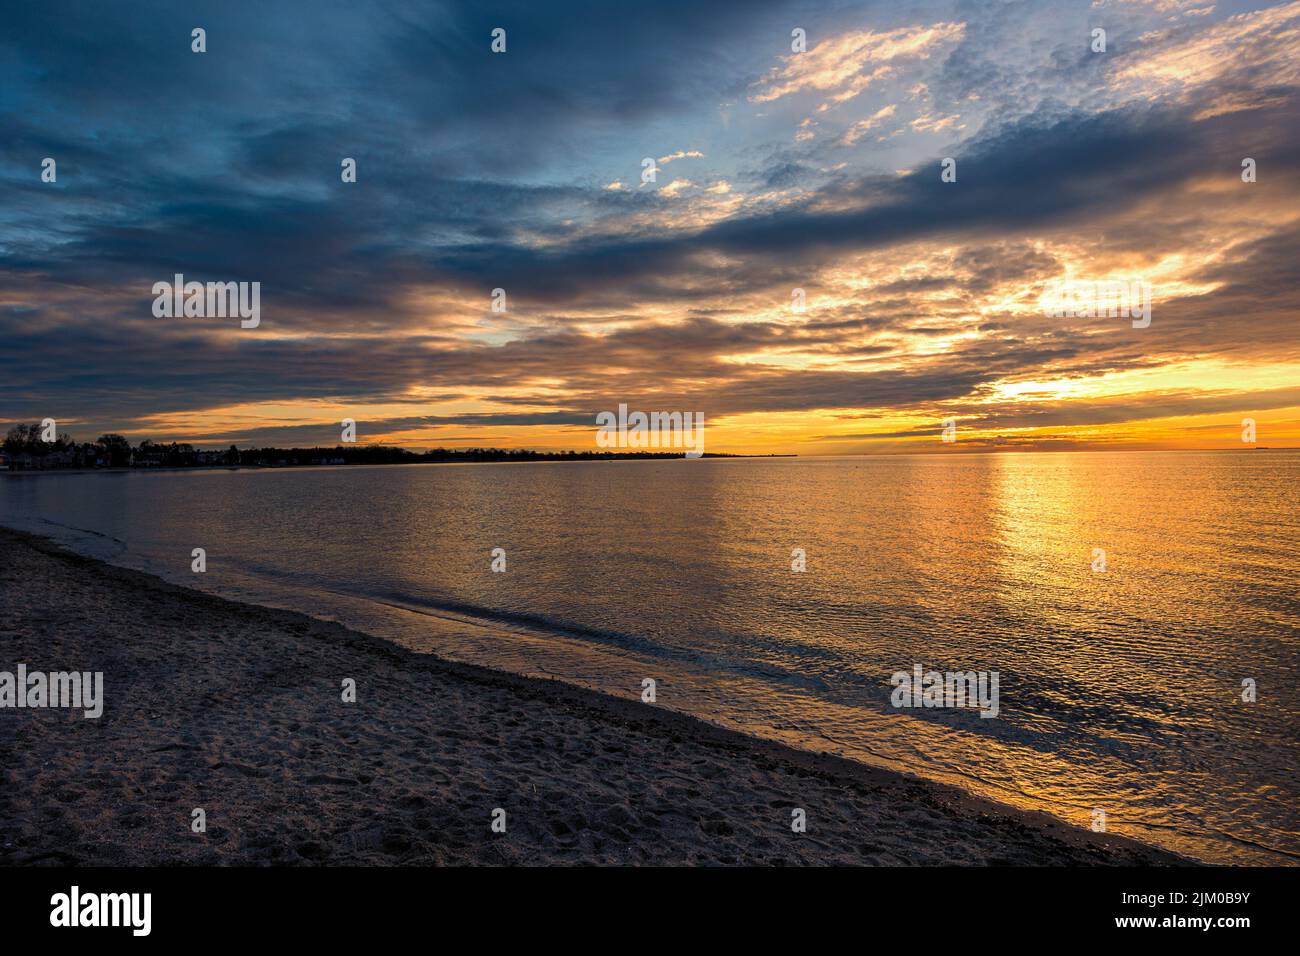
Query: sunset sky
pixel 776 170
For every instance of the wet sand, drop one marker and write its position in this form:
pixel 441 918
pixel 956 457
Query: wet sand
pixel 236 709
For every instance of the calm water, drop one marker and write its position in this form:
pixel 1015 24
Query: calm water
pixel 1119 690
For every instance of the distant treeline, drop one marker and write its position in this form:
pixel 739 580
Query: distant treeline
pixel 24 449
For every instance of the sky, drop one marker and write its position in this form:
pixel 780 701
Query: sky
pixel 776 170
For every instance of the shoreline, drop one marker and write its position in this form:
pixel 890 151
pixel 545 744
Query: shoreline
pixel 544 458
pixel 713 456
pixel 235 708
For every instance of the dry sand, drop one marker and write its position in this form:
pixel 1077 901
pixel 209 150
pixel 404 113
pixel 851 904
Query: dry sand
pixel 236 709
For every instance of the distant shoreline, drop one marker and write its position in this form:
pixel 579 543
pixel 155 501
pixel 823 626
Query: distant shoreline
pixel 562 459
pixel 168 469
pixel 349 455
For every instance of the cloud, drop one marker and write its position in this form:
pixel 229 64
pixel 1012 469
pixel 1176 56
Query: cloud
pixel 862 127
pixel 680 154
pixel 842 67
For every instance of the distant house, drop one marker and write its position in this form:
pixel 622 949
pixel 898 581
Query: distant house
pixel 149 458
pixel 26 461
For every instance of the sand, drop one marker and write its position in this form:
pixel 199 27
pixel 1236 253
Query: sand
pixel 236 709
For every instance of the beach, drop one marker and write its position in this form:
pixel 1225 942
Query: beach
pixel 237 710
